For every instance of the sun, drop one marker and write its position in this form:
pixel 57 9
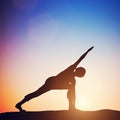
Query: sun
pixel 82 104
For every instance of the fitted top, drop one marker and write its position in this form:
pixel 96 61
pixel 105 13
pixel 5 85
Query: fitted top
pixel 63 80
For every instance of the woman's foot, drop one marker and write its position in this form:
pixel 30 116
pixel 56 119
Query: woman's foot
pixel 18 106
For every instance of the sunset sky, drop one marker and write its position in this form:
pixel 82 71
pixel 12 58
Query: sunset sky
pixel 40 38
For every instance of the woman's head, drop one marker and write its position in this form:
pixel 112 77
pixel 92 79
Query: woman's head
pixel 80 72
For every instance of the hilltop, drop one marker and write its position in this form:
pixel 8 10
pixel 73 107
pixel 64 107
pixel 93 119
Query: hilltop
pixel 62 115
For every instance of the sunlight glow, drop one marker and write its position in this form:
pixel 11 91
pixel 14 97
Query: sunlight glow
pixel 82 104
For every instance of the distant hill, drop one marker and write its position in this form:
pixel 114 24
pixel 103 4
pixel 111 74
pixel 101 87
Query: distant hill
pixel 62 115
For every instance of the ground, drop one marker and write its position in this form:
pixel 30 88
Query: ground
pixel 62 115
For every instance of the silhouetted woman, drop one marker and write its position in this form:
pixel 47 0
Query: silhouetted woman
pixel 64 80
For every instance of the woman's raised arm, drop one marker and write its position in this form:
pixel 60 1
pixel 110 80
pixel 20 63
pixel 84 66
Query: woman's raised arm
pixel 82 57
